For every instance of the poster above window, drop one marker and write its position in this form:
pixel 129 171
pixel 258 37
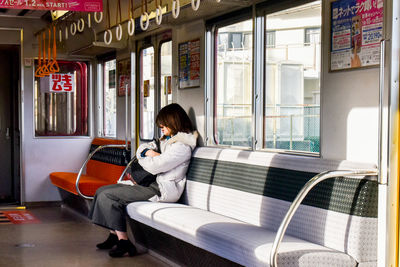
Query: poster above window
pixel 189 64
pixel 357 29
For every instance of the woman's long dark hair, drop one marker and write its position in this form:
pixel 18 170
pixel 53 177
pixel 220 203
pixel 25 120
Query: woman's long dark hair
pixel 174 117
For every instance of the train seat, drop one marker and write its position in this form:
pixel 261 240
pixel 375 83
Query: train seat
pixel 235 200
pixel 104 168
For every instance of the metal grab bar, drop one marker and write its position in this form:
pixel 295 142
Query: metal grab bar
pixel 84 166
pixel 134 159
pixel 299 198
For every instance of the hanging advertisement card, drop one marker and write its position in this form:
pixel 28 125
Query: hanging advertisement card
pixel 356 32
pixel 62 82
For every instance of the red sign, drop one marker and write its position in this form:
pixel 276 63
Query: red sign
pixel 70 5
pixel 60 83
pixel 124 80
pixel 20 217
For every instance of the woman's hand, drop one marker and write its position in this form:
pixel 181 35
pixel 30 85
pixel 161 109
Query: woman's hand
pixel 152 153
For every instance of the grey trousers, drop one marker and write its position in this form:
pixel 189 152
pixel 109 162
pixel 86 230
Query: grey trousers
pixel 108 207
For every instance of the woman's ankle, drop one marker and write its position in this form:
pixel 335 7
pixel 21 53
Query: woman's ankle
pixel 121 235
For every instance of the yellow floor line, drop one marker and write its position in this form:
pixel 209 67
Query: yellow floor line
pixel 13 208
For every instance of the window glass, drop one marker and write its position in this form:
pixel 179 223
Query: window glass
pixel 166 73
pixel 292 79
pixel 61 101
pixel 270 39
pixel 147 94
pixel 110 99
pixel 312 36
pixel 233 110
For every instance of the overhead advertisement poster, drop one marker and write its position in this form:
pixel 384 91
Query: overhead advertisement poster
pixel 356 32
pixel 70 5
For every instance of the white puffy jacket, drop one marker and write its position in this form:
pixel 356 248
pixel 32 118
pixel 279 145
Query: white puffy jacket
pixel 171 166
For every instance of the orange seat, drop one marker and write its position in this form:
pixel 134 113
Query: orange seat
pixel 87 184
pixel 98 173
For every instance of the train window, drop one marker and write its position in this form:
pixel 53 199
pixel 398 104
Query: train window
pixel 292 79
pixel 166 73
pixel 147 94
pixel 109 99
pixel 60 99
pixel 233 90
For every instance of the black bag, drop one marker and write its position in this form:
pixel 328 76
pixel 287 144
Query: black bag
pixel 140 175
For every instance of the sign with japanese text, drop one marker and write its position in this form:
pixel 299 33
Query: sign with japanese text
pixel 70 5
pixel 189 64
pixel 62 82
pixel 124 80
pixel 20 217
pixel 146 88
pixel 124 77
pixel 356 32
pixel 167 85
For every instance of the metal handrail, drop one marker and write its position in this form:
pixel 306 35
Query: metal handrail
pixel 134 159
pixel 299 198
pixel 84 166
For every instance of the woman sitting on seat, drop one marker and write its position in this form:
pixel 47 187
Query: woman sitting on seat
pixel 109 205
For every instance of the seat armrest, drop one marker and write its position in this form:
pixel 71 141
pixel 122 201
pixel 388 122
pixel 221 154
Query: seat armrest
pixel 84 166
pixel 133 160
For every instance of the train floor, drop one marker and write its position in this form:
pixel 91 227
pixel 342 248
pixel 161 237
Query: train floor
pixel 60 238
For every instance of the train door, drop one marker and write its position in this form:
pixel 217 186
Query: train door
pixel 9 124
pixel 154 79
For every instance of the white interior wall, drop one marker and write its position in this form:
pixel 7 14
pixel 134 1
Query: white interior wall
pixel 191 99
pixel 349 107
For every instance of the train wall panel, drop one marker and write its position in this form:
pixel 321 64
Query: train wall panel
pixel 191 99
pixel 349 107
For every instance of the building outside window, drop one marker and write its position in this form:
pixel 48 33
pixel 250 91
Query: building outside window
pixel 312 36
pixel 270 39
pixel 147 94
pixel 166 73
pixel 292 74
pixel 233 110
pixel 109 99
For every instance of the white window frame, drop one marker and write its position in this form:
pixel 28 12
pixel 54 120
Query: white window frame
pixel 259 36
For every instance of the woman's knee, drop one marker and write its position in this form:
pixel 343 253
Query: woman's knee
pixel 100 190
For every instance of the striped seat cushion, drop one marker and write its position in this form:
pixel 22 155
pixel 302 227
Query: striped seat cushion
pixel 258 187
pixel 240 242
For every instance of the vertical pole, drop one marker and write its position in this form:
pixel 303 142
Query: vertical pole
pixel 291 131
pixel 126 116
pixel 382 177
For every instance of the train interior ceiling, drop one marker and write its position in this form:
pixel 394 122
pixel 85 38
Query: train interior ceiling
pixel 266 83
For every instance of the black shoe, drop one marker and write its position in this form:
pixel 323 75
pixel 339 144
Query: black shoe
pixel 123 247
pixel 109 243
